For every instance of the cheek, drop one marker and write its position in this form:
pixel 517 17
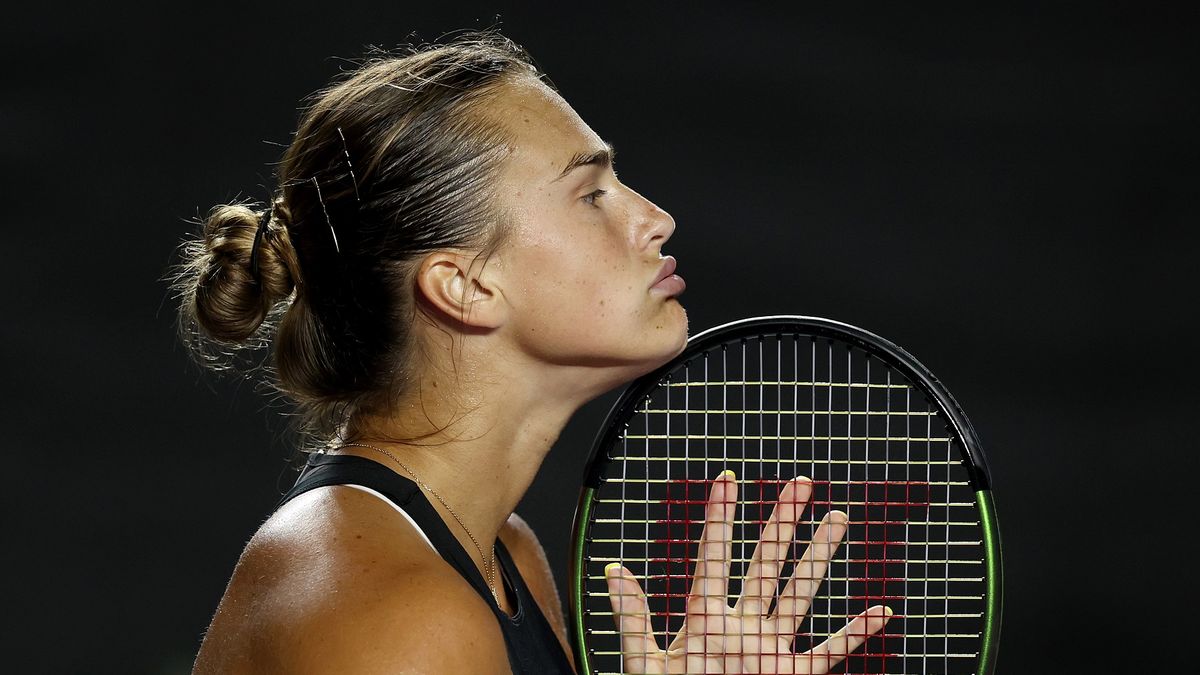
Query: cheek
pixel 587 263
pixel 581 296
pixel 587 288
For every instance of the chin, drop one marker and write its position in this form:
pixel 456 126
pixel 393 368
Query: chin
pixel 683 329
pixel 673 334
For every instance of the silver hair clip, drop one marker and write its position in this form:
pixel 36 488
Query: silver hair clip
pixel 346 151
pixel 263 222
pixel 327 220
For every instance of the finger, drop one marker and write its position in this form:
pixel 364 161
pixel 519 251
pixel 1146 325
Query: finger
pixel 711 580
pixel 762 576
pixel 809 573
pixel 831 652
pixel 631 614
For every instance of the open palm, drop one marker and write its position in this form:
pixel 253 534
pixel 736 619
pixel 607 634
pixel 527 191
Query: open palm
pixel 717 638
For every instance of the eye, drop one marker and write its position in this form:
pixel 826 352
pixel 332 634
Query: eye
pixel 591 197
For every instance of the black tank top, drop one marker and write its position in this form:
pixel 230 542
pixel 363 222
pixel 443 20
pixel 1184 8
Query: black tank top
pixel 533 648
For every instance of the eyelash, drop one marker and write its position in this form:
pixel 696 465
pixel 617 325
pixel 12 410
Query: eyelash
pixel 591 197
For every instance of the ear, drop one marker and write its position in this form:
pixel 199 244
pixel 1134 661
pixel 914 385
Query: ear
pixel 453 283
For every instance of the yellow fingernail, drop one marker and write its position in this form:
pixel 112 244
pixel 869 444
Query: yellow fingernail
pixel 887 611
pixel 609 568
pixel 728 472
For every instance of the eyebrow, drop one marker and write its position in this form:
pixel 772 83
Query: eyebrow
pixel 602 158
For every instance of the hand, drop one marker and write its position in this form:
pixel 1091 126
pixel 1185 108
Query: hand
pixel 717 638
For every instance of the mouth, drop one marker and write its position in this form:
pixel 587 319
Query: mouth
pixel 666 280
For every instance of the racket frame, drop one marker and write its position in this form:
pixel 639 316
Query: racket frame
pixel 881 348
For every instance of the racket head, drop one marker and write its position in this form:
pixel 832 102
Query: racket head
pixel 828 373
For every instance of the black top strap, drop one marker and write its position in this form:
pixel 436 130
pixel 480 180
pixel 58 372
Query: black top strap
pixel 324 470
pixel 531 642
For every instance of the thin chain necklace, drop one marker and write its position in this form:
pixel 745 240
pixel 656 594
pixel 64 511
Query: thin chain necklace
pixel 491 566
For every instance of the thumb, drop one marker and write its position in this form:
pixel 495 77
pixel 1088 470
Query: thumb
pixel 631 613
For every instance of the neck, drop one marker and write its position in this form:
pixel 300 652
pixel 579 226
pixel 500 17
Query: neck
pixel 479 455
pixel 481 465
pixel 477 424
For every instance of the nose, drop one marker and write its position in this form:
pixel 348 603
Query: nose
pixel 657 228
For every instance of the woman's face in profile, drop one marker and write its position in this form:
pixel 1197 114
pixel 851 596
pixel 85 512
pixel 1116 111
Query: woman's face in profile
pixel 583 255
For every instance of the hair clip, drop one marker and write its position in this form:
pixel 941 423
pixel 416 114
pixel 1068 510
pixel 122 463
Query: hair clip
pixel 263 222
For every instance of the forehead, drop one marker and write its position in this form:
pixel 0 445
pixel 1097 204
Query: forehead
pixel 545 130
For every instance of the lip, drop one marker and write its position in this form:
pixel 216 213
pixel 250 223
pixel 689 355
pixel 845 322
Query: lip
pixel 666 280
pixel 667 269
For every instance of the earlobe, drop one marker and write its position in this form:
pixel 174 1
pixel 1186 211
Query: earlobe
pixel 453 283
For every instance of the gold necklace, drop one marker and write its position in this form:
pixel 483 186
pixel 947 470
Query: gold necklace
pixel 491 567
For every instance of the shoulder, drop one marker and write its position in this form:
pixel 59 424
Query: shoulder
pixel 334 582
pixel 399 625
pixel 530 558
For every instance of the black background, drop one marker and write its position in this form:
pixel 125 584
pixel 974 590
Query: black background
pixel 1007 193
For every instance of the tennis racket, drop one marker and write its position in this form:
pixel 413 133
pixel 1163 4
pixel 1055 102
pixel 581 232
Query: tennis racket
pixel 772 398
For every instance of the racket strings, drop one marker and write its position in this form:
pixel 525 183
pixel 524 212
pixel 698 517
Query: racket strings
pixel 874 447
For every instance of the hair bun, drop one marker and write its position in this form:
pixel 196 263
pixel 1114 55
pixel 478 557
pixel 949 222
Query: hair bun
pixel 226 298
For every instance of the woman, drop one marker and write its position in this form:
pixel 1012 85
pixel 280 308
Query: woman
pixel 449 270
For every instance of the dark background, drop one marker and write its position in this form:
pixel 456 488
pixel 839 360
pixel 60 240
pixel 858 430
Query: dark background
pixel 1009 194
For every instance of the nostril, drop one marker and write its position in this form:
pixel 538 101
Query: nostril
pixel 660 228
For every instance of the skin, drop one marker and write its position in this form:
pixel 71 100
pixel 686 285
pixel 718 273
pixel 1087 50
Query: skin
pixel 562 312
pixel 745 638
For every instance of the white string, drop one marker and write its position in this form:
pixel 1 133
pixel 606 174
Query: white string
pixel 849 422
pixel 687 474
pixel 724 441
pixel 829 457
pixel 624 483
pixel 742 465
pixel 887 431
pixel 725 405
pixel 929 421
pixel 646 473
pixel 707 454
pixel 867 498
pixel 812 455
pixel 666 484
pixel 924 609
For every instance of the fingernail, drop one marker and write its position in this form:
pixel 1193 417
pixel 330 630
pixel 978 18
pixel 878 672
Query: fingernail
pixel 887 611
pixel 728 472
pixel 609 568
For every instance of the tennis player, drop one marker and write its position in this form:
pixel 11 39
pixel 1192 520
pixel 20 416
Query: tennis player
pixel 448 269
